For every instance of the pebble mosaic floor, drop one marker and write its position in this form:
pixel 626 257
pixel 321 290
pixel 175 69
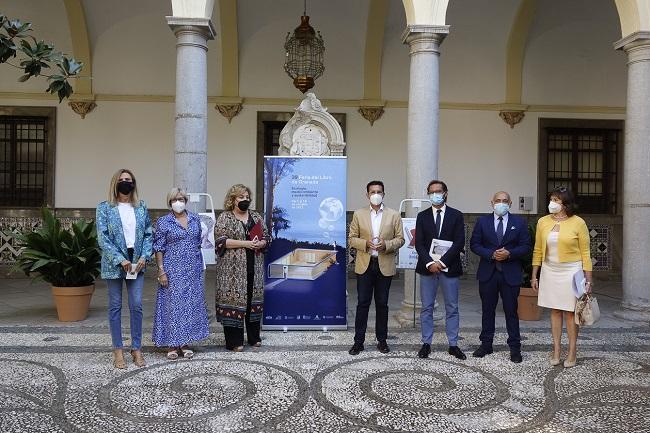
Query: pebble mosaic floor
pixel 62 380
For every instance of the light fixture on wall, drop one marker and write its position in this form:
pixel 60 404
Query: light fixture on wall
pixel 304 54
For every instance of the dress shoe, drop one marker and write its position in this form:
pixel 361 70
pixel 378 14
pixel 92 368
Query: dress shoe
pixel 455 351
pixel 383 347
pixel 425 350
pixel 482 351
pixel 515 357
pixel 356 349
pixel 569 364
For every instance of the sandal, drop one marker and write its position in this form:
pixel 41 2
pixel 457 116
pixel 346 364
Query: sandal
pixel 258 344
pixel 172 354
pixel 138 359
pixel 187 352
pixel 238 349
pixel 118 359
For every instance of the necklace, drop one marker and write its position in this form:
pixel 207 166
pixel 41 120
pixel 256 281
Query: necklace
pixel 562 218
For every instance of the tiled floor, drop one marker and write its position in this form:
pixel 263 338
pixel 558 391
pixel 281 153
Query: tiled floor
pixel 58 377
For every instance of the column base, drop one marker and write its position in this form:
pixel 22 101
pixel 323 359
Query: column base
pixel 633 313
pixel 405 315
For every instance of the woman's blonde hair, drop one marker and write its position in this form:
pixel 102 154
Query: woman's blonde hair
pixel 233 192
pixel 112 189
pixel 173 193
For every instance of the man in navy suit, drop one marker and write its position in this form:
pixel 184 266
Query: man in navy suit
pixel 501 240
pixel 445 223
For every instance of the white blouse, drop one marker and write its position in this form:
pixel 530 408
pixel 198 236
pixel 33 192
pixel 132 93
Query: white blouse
pixel 127 215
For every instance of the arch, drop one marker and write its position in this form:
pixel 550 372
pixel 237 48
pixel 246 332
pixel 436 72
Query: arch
pixel 516 49
pixel 634 16
pixel 425 12
pixel 229 48
pixel 80 45
pixel 377 13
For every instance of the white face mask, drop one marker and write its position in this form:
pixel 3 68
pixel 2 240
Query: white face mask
pixel 376 199
pixel 554 207
pixel 178 206
pixel 501 208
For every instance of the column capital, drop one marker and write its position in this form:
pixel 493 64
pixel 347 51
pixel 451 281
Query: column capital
pixel 633 40
pixel 202 26
pixel 424 38
pixel 415 31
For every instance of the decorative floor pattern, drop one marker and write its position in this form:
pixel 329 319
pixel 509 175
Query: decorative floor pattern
pixel 55 380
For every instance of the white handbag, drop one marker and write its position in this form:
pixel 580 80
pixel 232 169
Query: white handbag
pixel 587 311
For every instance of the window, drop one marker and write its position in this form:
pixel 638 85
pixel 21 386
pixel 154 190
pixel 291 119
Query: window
pixel 26 157
pixel 585 160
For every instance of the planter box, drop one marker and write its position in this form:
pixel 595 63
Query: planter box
pixel 72 302
pixel 527 305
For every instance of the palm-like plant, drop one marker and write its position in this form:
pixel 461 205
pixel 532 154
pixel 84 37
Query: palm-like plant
pixel 63 258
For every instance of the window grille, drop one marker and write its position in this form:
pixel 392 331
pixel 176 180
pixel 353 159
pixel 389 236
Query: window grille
pixel 24 161
pixel 585 161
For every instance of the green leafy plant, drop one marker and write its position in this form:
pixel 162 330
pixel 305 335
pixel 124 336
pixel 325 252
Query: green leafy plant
pixel 527 260
pixel 63 258
pixel 34 56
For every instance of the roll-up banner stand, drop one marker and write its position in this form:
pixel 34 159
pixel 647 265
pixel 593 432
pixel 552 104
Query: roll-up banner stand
pixel 305 212
pixel 408 256
pixel 208 221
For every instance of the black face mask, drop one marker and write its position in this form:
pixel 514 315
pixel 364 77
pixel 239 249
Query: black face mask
pixel 125 187
pixel 243 205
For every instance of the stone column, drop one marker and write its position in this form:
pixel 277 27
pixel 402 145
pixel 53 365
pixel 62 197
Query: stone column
pixel 636 179
pixel 423 116
pixel 191 130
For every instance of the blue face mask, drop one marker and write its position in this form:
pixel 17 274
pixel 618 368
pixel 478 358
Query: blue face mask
pixel 501 208
pixel 437 198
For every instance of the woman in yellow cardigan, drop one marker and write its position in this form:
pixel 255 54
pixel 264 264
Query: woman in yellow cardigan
pixel 561 249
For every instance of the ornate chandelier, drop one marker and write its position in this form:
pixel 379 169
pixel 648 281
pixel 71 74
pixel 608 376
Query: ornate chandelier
pixel 304 54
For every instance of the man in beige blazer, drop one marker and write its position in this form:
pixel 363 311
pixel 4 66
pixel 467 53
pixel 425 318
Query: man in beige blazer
pixel 376 234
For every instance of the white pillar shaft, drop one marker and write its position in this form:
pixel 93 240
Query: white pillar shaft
pixel 636 181
pixel 423 113
pixel 191 127
pixel 423 120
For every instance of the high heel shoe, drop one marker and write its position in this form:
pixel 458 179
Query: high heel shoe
pixel 118 359
pixel 554 361
pixel 138 359
pixel 569 364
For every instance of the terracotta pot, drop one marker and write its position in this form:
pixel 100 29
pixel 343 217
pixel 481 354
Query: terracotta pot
pixel 72 302
pixel 527 305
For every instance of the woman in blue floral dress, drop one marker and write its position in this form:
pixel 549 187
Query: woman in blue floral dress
pixel 181 316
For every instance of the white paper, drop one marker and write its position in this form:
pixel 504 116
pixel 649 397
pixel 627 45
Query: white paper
pixel 132 275
pixel 579 284
pixel 438 249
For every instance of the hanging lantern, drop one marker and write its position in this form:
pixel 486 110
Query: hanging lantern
pixel 304 54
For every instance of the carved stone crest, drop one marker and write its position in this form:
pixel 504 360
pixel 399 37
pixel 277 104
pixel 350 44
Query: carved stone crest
pixel 312 131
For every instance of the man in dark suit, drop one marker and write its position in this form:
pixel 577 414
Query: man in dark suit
pixel 501 240
pixel 444 223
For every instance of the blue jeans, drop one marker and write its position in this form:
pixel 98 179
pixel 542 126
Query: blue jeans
pixel 428 290
pixel 134 290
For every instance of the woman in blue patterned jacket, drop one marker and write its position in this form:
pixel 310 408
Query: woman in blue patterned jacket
pixel 124 234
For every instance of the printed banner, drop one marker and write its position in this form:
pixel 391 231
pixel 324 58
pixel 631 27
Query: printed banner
pixel 304 207
pixel 408 257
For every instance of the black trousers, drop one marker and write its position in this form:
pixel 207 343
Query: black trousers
pixel 372 282
pixel 490 291
pixel 234 335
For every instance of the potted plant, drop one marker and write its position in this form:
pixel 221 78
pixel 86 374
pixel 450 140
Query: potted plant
pixel 527 301
pixel 67 259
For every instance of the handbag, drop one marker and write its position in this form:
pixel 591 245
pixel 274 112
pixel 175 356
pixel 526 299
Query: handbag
pixel 220 245
pixel 587 311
